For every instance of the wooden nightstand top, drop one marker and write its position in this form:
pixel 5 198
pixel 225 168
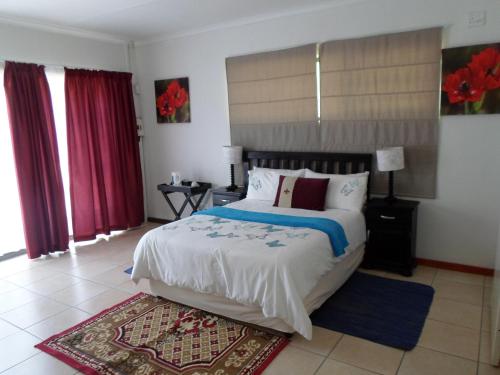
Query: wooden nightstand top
pixel 239 192
pixel 397 204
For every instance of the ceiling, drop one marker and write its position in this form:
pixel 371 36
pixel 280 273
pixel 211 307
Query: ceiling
pixel 147 19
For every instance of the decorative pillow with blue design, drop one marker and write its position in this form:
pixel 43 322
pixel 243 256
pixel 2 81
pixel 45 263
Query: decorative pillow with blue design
pixel 346 191
pixel 263 182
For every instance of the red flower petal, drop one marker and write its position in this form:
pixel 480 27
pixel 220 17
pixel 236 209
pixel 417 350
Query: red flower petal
pixel 177 93
pixel 488 60
pixel 465 85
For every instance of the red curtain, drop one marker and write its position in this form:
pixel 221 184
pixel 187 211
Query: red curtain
pixel 103 150
pixel 34 143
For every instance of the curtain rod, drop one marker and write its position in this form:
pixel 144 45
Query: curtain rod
pixel 56 66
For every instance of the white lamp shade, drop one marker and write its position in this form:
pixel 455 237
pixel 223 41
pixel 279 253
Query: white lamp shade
pixel 390 159
pixel 232 154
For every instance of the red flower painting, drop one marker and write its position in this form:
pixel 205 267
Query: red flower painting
pixel 165 106
pixel 177 94
pixel 488 62
pixel 172 100
pixel 465 85
pixel 471 80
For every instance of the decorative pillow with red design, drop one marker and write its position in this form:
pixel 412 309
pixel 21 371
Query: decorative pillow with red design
pixel 299 192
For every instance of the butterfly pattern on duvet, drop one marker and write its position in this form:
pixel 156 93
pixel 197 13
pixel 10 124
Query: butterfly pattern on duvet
pixel 217 234
pixel 215 228
pixel 207 228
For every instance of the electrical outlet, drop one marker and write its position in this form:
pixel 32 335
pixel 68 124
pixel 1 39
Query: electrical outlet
pixel 476 18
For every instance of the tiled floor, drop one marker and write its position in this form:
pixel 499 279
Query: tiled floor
pixel 40 298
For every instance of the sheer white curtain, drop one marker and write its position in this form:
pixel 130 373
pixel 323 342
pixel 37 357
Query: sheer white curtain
pixel 11 225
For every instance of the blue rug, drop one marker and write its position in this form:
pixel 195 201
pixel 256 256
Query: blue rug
pixel 128 270
pixel 388 312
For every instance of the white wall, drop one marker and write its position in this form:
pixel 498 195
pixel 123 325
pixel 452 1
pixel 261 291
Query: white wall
pixel 459 226
pixel 25 44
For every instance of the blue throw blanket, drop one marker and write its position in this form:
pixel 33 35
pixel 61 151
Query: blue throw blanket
pixel 333 229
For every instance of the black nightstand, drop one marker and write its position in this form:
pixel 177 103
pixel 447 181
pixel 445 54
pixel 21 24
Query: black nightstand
pixel 221 196
pixel 392 232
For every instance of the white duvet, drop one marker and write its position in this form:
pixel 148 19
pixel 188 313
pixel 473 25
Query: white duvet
pixel 270 266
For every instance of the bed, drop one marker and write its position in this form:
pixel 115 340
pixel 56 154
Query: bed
pixel 223 265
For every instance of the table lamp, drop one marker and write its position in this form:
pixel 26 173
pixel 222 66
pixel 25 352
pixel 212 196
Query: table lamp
pixel 389 160
pixel 232 155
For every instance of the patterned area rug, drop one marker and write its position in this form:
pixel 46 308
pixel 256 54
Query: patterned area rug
pixel 148 335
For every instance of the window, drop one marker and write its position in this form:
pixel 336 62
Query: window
pixel 55 77
pixel 11 225
pixel 271 94
pixel 364 93
pixel 383 91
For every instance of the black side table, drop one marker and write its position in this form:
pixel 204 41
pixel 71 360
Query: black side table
pixel 188 191
pixel 392 233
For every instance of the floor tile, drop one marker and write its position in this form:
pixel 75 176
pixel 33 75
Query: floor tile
pixel 453 312
pixel 68 261
pixel 485 369
pixel 58 323
pixel 488 281
pixel 33 312
pixel 293 361
pixel 421 361
pixel 461 277
pixel 367 355
pixel 460 292
pixel 454 327
pixel 103 301
pixel 53 284
pixel 373 272
pixel 6 286
pixel 14 265
pixel 78 293
pixel 31 275
pixel 322 342
pixel 486 319
pixel 421 274
pixel 41 364
pixel 332 367
pixel 451 339
pixel 16 348
pixel 485 349
pixel 7 329
pixel 131 287
pixel 16 298
pixel 112 277
pixel 91 269
pixel 124 256
pixel 487 297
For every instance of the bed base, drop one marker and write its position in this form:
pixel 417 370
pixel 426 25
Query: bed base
pixel 252 315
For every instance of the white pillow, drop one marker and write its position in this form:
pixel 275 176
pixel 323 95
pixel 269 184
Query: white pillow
pixel 347 191
pixel 263 182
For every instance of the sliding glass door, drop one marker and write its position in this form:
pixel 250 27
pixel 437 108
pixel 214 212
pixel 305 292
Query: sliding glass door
pixel 55 77
pixel 11 225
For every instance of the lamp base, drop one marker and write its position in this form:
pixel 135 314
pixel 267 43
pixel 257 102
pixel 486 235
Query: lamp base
pixel 233 186
pixel 390 197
